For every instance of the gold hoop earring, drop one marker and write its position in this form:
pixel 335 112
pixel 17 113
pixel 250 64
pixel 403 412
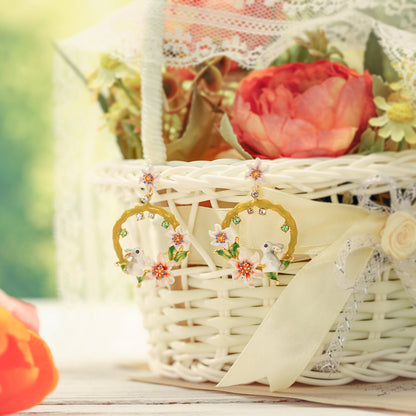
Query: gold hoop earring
pixel 274 259
pixel 134 261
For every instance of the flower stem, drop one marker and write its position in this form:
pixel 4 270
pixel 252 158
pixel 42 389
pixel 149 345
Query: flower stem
pixel 400 145
pixel 120 84
pixel 134 145
pixel 101 99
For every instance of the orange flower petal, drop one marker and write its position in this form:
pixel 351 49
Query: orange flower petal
pixel 23 311
pixel 351 103
pixel 27 371
pixel 282 131
pixel 9 325
pixel 317 105
pixel 336 141
pixel 17 354
pixel 329 143
pixel 307 110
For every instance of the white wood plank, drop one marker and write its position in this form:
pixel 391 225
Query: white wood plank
pixel 200 409
pixel 109 391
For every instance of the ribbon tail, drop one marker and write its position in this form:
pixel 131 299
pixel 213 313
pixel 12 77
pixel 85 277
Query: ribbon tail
pixel 296 325
pixel 293 330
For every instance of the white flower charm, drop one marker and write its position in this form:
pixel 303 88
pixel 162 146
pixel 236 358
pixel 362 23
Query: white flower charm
pixel 179 238
pixel 223 238
pixel 256 172
pixel 160 271
pixel 149 178
pixel 245 268
pixel 398 238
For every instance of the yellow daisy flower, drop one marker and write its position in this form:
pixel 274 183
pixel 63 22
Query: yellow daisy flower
pixel 397 120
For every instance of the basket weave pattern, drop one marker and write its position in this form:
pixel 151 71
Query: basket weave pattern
pixel 199 326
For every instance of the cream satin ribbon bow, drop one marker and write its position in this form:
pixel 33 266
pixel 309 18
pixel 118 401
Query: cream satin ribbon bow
pixel 394 249
pixel 398 237
pixel 296 325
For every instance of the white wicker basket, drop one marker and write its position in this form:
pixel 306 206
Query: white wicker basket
pixel 198 327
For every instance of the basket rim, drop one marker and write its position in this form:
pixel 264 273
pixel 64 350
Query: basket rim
pixel 305 174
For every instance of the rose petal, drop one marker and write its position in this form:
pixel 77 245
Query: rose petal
pixel 254 138
pixel 305 110
pixel 336 141
pixel 277 101
pixel 350 103
pixel 317 104
pixel 282 131
pixel 320 144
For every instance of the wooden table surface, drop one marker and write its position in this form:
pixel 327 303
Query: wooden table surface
pixel 110 391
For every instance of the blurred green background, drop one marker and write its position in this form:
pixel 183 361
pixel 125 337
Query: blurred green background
pixel 27 30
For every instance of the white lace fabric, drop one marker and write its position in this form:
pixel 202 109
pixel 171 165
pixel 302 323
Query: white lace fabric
pixel 254 32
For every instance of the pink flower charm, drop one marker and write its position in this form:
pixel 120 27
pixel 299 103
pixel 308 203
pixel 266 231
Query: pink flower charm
pixel 223 238
pixel 256 172
pixel 149 178
pixel 179 238
pixel 245 268
pixel 160 271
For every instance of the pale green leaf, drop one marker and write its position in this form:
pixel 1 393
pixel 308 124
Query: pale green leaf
pixel 227 132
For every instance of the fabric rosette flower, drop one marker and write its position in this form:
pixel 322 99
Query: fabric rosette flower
pixel 398 237
pixel 302 110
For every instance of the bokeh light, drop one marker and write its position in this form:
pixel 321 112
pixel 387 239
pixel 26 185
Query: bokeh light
pixel 28 29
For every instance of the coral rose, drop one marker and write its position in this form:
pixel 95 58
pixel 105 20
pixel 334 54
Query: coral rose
pixel 27 372
pixel 302 110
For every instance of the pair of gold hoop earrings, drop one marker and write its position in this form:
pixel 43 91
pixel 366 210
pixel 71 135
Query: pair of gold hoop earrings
pixel 224 237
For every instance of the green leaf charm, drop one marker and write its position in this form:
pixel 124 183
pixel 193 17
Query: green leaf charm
pixel 234 250
pixel 271 275
pixel 224 253
pixel 140 280
pixel 172 252
pixel 180 255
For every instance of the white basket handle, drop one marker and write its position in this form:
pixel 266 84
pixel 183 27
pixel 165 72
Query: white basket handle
pixel 154 149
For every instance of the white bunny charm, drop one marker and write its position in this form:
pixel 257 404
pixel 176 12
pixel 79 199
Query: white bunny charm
pixel 270 262
pixel 135 265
